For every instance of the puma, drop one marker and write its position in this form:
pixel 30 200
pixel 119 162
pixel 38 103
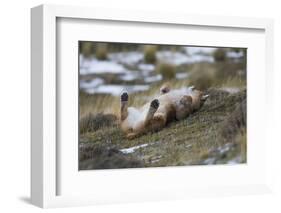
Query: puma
pixel 169 105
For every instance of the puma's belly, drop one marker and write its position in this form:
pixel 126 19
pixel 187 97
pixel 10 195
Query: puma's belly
pixel 135 116
pixel 172 97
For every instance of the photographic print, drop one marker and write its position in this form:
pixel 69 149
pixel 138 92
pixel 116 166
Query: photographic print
pixel 148 105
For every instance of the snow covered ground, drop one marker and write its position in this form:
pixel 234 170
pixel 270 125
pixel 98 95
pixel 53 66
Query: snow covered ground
pixel 130 67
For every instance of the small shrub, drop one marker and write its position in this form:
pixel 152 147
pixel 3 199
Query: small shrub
pixel 243 143
pixel 101 52
pixel 236 122
pixel 150 54
pixel 226 70
pixel 94 122
pixel 93 156
pixel 220 55
pixel 168 71
pixel 86 48
pixel 202 76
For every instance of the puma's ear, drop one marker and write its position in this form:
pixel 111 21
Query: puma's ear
pixel 165 88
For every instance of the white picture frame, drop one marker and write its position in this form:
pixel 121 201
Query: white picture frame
pixel 44 148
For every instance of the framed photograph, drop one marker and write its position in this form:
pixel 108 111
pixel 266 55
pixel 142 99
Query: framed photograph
pixel 130 106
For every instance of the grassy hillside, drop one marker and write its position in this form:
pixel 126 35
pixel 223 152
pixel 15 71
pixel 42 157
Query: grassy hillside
pixel 215 134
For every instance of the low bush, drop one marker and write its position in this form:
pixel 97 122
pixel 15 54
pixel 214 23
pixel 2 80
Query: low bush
pixel 101 52
pixel 202 76
pixel 168 71
pixel 150 54
pixel 94 122
pixel 86 48
pixel 220 55
pixel 93 156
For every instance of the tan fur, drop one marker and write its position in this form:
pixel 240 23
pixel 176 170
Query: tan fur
pixel 168 106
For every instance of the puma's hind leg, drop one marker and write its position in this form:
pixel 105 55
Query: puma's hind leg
pixel 160 118
pixel 184 107
pixel 158 121
pixel 152 109
pixel 124 106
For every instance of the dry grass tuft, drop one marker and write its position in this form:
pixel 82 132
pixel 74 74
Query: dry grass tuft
pixel 86 48
pixel 168 71
pixel 150 54
pixel 224 74
pixel 202 76
pixel 92 122
pixel 101 52
pixel 220 55
pixel 102 157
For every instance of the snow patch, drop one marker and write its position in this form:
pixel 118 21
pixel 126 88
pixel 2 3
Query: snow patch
pixel 129 76
pixel 133 149
pixel 181 75
pixel 199 50
pixel 128 58
pixel 146 67
pixel 154 78
pixel 91 84
pixel 94 66
pixel 235 55
pixel 231 90
pixel 116 90
pixel 175 58
pixel 178 58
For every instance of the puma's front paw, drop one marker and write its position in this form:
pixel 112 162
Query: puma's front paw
pixel 124 96
pixel 154 104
